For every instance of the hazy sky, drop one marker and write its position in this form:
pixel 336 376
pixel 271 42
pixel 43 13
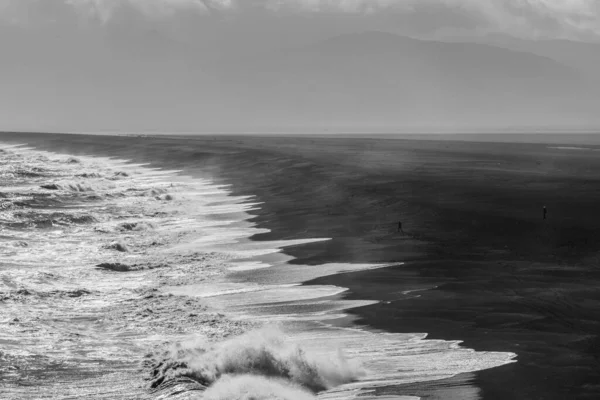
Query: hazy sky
pixel 68 64
pixel 540 18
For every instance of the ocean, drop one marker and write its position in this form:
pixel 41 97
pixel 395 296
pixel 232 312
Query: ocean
pixel 232 267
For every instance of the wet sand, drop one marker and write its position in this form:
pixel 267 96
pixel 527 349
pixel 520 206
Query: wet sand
pixel 489 270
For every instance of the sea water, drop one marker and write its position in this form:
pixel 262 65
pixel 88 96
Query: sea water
pixel 116 281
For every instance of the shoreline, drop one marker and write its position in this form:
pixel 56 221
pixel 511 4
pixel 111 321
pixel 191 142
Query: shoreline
pixel 82 294
pixel 347 306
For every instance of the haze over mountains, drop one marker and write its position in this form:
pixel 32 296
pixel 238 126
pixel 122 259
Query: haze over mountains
pixel 134 79
pixel 582 56
pixel 381 80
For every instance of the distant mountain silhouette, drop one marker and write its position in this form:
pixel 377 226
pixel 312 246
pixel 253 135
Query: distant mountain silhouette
pixel 370 80
pixel 378 77
pixel 582 56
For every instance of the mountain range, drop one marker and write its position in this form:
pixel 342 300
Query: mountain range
pixel 369 80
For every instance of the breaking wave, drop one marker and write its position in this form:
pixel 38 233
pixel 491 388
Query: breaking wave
pixel 21 295
pixel 55 217
pixel 118 267
pixel 73 160
pixel 264 353
pixel 118 246
pixel 81 187
pixel 88 175
pixel 135 226
pixel 93 252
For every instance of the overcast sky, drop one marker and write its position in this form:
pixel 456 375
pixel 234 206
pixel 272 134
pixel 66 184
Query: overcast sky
pixel 90 60
pixel 539 18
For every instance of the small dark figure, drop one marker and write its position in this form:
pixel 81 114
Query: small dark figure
pixel 545 212
pixel 400 227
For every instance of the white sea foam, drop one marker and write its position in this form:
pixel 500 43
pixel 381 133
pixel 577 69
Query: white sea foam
pixel 252 387
pixel 141 257
pixel 571 148
pixel 67 313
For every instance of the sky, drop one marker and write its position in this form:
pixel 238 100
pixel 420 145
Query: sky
pixel 99 64
pixel 537 18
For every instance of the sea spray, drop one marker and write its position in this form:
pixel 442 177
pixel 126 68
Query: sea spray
pixel 263 353
pixel 252 387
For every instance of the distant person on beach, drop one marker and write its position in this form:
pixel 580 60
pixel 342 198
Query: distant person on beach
pixel 545 212
pixel 400 227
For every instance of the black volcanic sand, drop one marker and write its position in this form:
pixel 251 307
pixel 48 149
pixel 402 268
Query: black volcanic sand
pixel 489 269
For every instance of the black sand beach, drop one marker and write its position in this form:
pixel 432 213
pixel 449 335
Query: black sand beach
pixel 488 269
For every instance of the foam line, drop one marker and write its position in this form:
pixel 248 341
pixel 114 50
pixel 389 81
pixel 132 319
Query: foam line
pixel 152 261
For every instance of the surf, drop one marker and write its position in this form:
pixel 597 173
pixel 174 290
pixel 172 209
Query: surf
pixel 154 268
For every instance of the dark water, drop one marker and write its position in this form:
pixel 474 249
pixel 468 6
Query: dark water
pixel 489 269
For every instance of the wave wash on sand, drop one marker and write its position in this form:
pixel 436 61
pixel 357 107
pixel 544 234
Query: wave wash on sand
pixel 116 283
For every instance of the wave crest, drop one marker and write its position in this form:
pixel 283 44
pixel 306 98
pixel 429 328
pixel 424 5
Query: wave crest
pixel 135 226
pixel 118 267
pixel 264 353
pixel 69 186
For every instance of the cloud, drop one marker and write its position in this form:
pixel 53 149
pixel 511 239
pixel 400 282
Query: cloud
pixel 104 10
pixel 537 17
pixel 569 18
pixel 61 11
